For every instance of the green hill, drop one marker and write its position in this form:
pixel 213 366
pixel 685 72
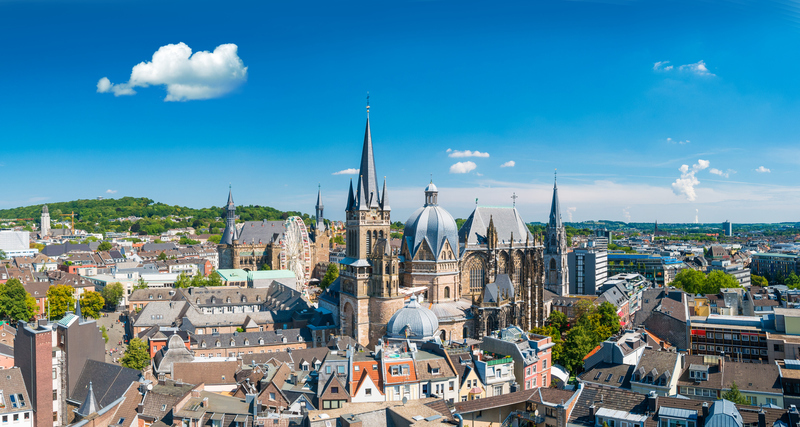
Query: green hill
pixel 96 215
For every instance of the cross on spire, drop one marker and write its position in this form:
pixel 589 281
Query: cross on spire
pixel 514 198
pixel 367 104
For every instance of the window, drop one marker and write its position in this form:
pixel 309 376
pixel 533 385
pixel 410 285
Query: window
pixel 356 368
pixel 328 369
pixel 334 389
pixel 340 369
pixel 544 379
pixel 272 396
pixel 55 394
pixel 452 385
pixel 368 392
pixel 544 364
pixel 374 367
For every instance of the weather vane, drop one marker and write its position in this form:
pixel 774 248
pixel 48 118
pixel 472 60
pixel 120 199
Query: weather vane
pixel 368 104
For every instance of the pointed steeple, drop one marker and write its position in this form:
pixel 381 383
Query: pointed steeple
pixel 320 210
pixel 555 207
pixel 350 199
pixel 384 202
pixel 368 181
pixel 361 201
pixel 229 235
pixel 89 405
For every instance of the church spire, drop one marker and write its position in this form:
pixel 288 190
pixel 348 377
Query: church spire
pixel 89 405
pixel 229 235
pixel 368 181
pixel 320 210
pixel 555 207
pixel 384 202
pixel 350 199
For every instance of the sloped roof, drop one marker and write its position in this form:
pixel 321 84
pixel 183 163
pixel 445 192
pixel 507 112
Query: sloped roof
pixel 506 221
pixel 109 382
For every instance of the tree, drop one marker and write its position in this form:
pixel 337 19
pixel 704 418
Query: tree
pixel 689 280
pixel 609 319
pixel 718 279
pixel 758 280
pixel 792 281
pixel 16 303
pixel 187 241
pixel 215 238
pixel 330 275
pixel 2 254
pixel 555 335
pixel 734 395
pixel 162 256
pixel 183 281
pixel 91 303
pixel 105 333
pixel 112 294
pixel 214 279
pixel 578 344
pixel 557 320
pixel 137 356
pixel 141 284
pixel 104 246
pixel 265 267
pixel 60 300
pixel 339 240
pixel 198 280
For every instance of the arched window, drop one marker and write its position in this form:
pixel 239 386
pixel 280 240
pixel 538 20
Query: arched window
pixel 246 342
pixel 233 343
pixel 261 341
pixel 447 292
pixel 369 242
pixel 465 333
pixel 476 278
pixel 218 344
pixel 203 344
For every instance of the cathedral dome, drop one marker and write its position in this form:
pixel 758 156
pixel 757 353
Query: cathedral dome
pixel 433 224
pixel 413 321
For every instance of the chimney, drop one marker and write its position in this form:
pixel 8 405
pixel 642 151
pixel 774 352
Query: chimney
pixel 592 410
pixel 205 402
pixel 705 411
pixel 652 402
pixel 195 393
pixel 762 418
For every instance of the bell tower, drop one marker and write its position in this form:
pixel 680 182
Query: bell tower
pixel 556 277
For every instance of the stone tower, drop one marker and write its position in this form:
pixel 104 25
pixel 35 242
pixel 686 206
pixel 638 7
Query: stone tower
pixel 225 247
pixel 555 250
pixel 320 214
pixel 322 239
pixel 363 308
pixel 44 225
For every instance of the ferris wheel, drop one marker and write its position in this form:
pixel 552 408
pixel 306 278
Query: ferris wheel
pixel 296 249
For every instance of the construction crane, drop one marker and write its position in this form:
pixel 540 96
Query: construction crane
pixel 71 214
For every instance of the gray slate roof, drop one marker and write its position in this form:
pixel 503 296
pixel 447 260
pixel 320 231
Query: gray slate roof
pixel 261 232
pixel 432 224
pixel 502 288
pixel 506 221
pixel 109 382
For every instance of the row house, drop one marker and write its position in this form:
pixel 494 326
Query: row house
pixel 531 353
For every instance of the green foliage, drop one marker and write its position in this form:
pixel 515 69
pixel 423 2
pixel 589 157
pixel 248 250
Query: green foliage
pixel 137 356
pixel 695 282
pixel 239 329
pixel 793 281
pixel 95 215
pixel 141 284
pixel 104 246
pixel 339 240
pixel 91 304
pixel 734 395
pixel 214 279
pixel 105 333
pixel 60 300
pixel 330 275
pixel 183 281
pixel 216 238
pixel 162 256
pixel 593 325
pixel 555 334
pixel 557 320
pixel 758 280
pixel 3 254
pixel 15 302
pixel 396 235
pixel 112 294
pixel 187 241
pixel 578 344
pixel 266 267
pixel 626 249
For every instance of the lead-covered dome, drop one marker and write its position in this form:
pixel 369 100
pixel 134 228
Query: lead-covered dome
pixel 413 321
pixel 432 224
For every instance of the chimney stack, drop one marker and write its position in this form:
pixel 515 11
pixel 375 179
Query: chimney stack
pixel 762 418
pixel 652 402
pixel 705 411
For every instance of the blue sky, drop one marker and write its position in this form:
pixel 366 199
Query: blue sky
pixel 547 84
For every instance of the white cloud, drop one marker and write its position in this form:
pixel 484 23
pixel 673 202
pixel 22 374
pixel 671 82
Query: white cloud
pixel 724 174
pixel 465 153
pixel 110 191
pixel 762 169
pixel 351 171
pixel 662 65
pixel 187 76
pixel 463 167
pixel 698 68
pixel 686 183
pixel 669 140
pixel 570 211
pixel 509 164
pixel 626 213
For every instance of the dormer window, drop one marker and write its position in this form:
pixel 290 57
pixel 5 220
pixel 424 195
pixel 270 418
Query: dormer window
pixel 218 344
pixel 203 344
pixel 233 343
pixel 261 341
pixel 246 342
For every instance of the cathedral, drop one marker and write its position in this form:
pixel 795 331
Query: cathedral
pixel 485 276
